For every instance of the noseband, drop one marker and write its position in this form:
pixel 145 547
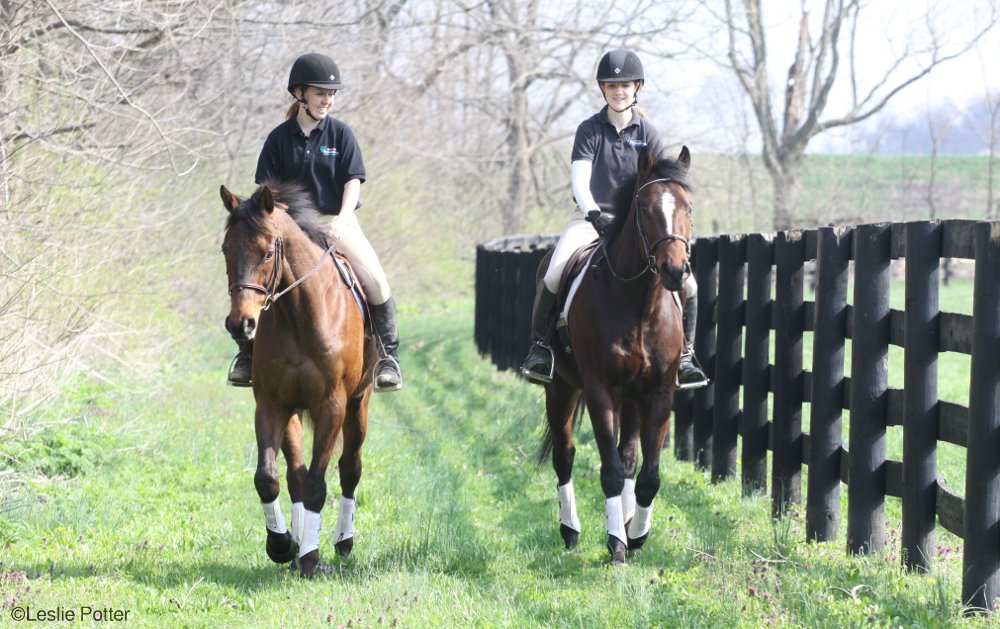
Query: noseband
pixel 270 291
pixel 648 249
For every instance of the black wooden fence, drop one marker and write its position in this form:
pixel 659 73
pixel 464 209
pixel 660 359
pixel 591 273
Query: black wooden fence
pixel 739 321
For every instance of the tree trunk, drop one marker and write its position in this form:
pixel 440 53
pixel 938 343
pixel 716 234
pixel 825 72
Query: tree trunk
pixel 786 196
pixel 519 178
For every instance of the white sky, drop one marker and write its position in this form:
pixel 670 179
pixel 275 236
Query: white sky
pixel 887 28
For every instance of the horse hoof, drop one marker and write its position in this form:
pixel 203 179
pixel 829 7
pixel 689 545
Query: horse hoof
pixel 617 549
pixel 308 563
pixel 344 548
pixel 637 542
pixel 570 537
pixel 280 547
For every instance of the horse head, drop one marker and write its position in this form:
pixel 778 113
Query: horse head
pixel 663 209
pixel 253 250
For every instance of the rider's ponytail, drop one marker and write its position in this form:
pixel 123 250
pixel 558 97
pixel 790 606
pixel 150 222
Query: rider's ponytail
pixel 293 110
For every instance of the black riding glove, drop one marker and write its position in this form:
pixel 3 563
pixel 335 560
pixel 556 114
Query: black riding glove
pixel 600 221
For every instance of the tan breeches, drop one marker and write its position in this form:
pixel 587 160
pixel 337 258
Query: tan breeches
pixel 360 253
pixel 577 234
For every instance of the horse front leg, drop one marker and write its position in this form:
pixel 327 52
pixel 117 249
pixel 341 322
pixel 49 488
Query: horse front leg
pixel 655 424
pixel 295 475
pixel 328 418
pixel 269 426
pixel 354 431
pixel 628 451
pixel 602 407
pixel 560 410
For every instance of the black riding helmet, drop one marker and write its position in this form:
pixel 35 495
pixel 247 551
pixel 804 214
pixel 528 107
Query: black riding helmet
pixel 620 65
pixel 316 70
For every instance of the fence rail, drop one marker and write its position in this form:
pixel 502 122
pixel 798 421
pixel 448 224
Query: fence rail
pixel 751 295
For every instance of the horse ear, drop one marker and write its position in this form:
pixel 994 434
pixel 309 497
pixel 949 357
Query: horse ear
pixel 684 159
pixel 228 199
pixel 645 162
pixel 266 200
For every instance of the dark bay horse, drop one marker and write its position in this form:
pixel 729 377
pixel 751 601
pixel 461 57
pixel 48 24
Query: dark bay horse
pixel 311 355
pixel 625 335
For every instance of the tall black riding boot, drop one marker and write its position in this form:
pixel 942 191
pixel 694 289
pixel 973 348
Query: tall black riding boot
pixel 388 376
pixel 689 374
pixel 242 367
pixel 539 363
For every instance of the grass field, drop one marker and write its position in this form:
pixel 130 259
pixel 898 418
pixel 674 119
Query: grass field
pixel 142 500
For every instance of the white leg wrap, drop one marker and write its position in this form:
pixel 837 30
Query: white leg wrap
pixel 310 532
pixel 273 518
pixel 616 523
pixel 345 520
pixel 639 525
pixel 298 521
pixel 628 499
pixel 567 506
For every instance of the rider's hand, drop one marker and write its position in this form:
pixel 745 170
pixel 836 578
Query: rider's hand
pixel 600 221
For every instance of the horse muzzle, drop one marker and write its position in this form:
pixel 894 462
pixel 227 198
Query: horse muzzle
pixel 242 328
pixel 672 276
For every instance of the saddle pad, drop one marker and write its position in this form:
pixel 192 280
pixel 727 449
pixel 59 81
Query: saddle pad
pixel 575 270
pixel 350 280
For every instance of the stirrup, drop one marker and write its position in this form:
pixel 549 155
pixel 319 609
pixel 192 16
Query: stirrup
pixel 237 383
pixel 535 376
pixel 697 384
pixel 378 367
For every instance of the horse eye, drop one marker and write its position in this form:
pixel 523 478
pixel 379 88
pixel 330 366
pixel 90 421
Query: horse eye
pixel 268 255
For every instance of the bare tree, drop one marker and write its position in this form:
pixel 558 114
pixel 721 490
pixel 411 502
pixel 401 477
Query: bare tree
pixel 814 71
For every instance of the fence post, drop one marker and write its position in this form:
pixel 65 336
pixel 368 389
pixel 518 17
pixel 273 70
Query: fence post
pixel 920 425
pixel 707 276
pixel 981 557
pixel 729 344
pixel 683 426
pixel 760 256
pixel 825 432
pixel 786 381
pixel 869 385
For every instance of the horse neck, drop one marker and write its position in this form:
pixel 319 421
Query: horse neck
pixel 301 256
pixel 626 251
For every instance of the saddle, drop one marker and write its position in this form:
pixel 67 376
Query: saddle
pixel 582 259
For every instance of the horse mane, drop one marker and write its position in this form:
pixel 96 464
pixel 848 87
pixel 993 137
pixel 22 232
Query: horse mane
pixel 665 168
pixel 297 201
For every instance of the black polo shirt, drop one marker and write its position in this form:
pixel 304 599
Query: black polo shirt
pixel 615 156
pixel 324 162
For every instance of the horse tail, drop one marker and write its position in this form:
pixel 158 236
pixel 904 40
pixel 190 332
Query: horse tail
pixel 545 447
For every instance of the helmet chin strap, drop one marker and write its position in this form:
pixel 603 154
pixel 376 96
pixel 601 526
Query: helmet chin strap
pixel 305 107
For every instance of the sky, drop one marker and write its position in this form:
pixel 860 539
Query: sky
pixel 886 29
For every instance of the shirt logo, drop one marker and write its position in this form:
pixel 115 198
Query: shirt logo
pixel 634 142
pixel 328 151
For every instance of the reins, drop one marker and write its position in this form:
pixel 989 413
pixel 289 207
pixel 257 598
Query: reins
pixel 270 296
pixel 649 249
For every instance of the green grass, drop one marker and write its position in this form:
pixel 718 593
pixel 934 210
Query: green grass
pixel 455 525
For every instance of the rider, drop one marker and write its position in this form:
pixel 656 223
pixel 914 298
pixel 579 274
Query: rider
pixel 321 152
pixel 605 155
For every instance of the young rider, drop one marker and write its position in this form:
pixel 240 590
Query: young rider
pixel 321 152
pixel 605 155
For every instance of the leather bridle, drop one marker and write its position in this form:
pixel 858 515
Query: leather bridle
pixel 270 289
pixel 651 266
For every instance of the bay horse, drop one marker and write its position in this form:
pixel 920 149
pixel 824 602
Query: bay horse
pixel 625 337
pixel 311 356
